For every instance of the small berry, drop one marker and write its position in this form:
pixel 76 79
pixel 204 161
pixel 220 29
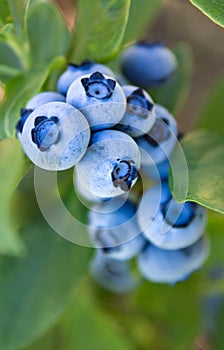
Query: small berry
pixel 158 144
pixel 159 171
pixel 55 136
pixel 140 113
pixel 100 98
pixel 24 114
pixel 110 165
pixel 171 266
pixel 113 227
pixel 75 71
pixel 148 65
pixel 112 274
pixel 44 97
pixel 168 224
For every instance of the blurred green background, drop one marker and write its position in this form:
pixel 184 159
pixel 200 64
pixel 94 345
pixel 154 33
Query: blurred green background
pixel 47 304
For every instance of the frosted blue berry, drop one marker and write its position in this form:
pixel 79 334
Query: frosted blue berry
pixel 100 98
pixel 75 71
pixel 178 214
pixel 110 165
pixel 148 65
pixel 140 113
pixel 55 136
pixel 168 224
pixel 112 274
pixel 24 114
pixel 159 171
pixel 44 97
pixel 170 266
pixel 45 132
pixel 113 227
pixel 158 144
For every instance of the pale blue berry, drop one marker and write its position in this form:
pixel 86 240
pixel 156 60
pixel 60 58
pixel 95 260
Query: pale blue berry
pixel 44 97
pixel 148 65
pixel 158 144
pixel 140 113
pixel 112 274
pixel 113 226
pixel 159 171
pixel 110 165
pixel 168 224
pixel 100 98
pixel 75 71
pixel 55 136
pixel 170 266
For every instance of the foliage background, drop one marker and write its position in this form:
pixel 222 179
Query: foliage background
pixel 47 299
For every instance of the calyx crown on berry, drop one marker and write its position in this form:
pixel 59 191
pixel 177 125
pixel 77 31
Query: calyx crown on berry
pixel 138 104
pixel 98 86
pixel 24 114
pixel 159 133
pixel 85 64
pixel 44 134
pixel 124 172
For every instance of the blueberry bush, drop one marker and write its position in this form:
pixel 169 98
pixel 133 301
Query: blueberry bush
pixel 49 298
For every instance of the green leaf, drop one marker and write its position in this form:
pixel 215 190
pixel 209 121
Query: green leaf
pixel 35 289
pixel 7 73
pixel 157 302
pixel 17 11
pixel 173 93
pixel 12 168
pixel 214 9
pixel 100 27
pixel 47 32
pixel 18 91
pixel 85 315
pixel 5 12
pixel 211 116
pixel 7 27
pixel 141 15
pixel 204 152
pixel 10 64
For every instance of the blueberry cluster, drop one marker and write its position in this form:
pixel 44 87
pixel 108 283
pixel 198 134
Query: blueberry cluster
pixel 112 133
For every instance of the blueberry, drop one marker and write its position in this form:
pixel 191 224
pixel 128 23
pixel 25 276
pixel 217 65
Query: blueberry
pixel 45 132
pixel 158 144
pixel 140 113
pixel 113 226
pixel 44 97
pixel 159 171
pixel 87 197
pixel 148 65
pixel 168 224
pixel 75 71
pixel 110 165
pixel 24 114
pixel 55 136
pixel 100 98
pixel 178 214
pixel 112 274
pixel 170 266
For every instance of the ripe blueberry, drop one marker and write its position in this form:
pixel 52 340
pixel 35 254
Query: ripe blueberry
pixel 170 266
pixel 100 98
pixel 55 136
pixel 148 65
pixel 113 227
pixel 158 144
pixel 110 165
pixel 44 97
pixel 75 71
pixel 112 274
pixel 168 224
pixel 140 113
